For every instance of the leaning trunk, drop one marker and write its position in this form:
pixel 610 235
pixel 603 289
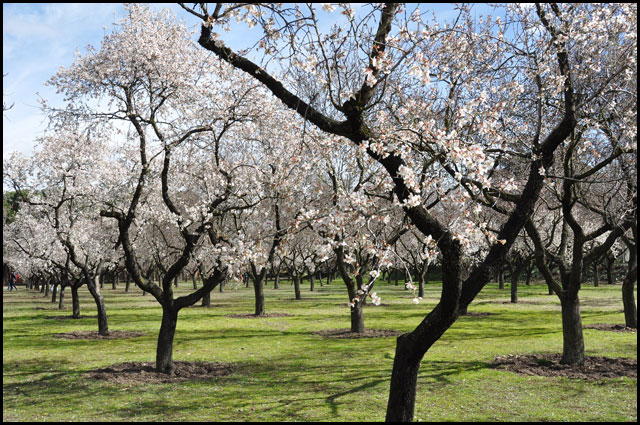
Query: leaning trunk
pixel 164 351
pixel 404 377
pixel 103 327
pixel 572 338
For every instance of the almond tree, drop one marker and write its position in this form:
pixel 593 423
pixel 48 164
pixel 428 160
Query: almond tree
pixel 61 178
pixel 184 166
pixel 461 99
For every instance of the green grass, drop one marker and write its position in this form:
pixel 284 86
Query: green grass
pixel 287 374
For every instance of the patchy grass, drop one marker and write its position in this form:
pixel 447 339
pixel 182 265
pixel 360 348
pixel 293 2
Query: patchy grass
pixel 286 373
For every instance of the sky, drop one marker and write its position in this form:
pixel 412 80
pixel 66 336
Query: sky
pixel 39 38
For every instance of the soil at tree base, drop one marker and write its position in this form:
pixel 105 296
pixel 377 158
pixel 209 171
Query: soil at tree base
pixel 549 365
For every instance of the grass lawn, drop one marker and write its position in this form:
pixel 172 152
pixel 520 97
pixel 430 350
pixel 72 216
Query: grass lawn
pixel 285 373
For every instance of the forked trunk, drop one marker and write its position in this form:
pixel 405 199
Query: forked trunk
pixel 572 338
pixel 164 351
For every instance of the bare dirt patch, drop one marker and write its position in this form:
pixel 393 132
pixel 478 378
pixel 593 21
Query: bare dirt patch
pixel 610 327
pixel 145 373
pixel 253 316
pixel 346 333
pixel 96 335
pixel 549 365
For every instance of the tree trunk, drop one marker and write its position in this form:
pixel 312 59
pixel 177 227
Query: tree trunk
pixel 572 338
pixel 61 302
pixel 529 273
pixel 420 285
pixel 404 377
pixel 610 263
pixel 75 301
pixel 296 287
pixel 396 276
pixel 175 281
pixel 500 279
pixel 221 285
pixel 103 327
pixel 596 277
pixel 357 319
pixel 193 278
pixel 164 351
pixel 114 284
pixel 258 289
pixel 206 300
pixel 312 281
pixel 515 275
pixel 276 281
pixel 46 289
pixel 630 312
pixel 54 292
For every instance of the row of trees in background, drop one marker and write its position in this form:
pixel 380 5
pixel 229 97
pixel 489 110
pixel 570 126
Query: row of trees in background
pixel 388 141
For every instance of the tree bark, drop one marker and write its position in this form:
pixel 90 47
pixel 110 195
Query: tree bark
pixel 206 299
pixel 296 287
pixel 103 327
pixel 312 281
pixel 164 351
pixel 54 292
pixel 258 289
pixel 357 319
pixel 610 262
pixel 75 301
pixel 404 377
pixel 630 311
pixel 500 279
pixel 515 275
pixel 61 301
pixel 276 281
pixel 572 338
pixel 596 277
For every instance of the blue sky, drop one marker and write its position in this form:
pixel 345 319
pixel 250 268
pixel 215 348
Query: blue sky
pixel 37 39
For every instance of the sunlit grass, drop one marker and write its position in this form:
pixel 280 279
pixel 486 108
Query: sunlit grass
pixel 285 373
